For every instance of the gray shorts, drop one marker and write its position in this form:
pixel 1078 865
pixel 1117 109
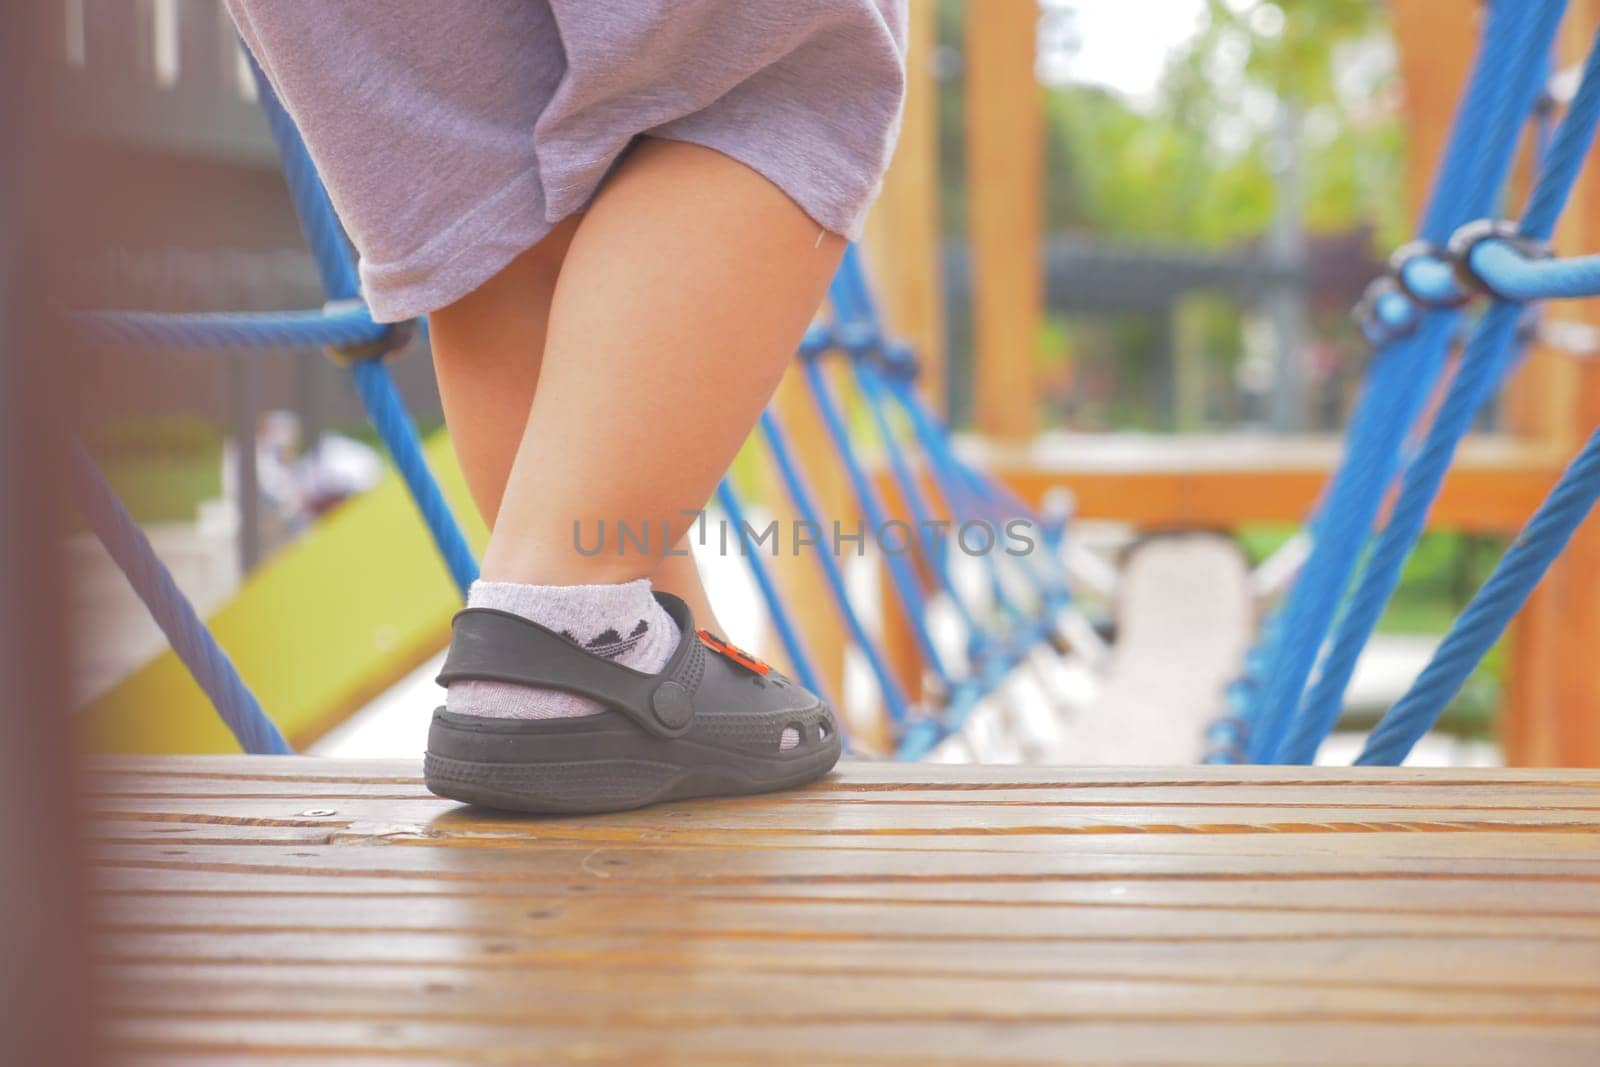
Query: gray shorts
pixel 453 136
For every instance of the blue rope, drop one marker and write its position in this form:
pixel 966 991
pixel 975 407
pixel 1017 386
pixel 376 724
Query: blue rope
pixel 991 653
pixel 960 498
pixel 335 327
pixel 858 319
pixel 1484 366
pixel 794 482
pixel 373 382
pixel 1513 276
pixel 207 663
pixel 387 411
pixel 1499 97
pixel 900 573
pixel 315 211
pixel 872 388
pixel 1490 611
pixel 777 610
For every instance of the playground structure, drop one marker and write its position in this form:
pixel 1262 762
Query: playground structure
pixel 913 471
pixel 1552 705
pixel 281 908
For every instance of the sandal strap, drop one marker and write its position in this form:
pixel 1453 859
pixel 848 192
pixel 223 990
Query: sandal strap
pixel 496 646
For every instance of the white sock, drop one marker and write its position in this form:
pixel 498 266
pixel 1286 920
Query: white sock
pixel 621 622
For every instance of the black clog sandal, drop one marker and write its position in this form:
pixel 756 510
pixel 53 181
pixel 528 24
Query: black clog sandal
pixel 712 723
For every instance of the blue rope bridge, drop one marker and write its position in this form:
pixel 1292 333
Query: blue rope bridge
pixel 1290 693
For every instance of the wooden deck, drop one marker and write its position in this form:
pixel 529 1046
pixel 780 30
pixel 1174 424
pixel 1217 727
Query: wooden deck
pixel 260 910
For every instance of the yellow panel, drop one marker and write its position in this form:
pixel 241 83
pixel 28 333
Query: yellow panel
pixel 336 617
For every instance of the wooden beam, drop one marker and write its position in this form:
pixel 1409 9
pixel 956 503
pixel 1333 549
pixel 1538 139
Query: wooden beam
pixel 1225 481
pixel 903 231
pixel 1004 158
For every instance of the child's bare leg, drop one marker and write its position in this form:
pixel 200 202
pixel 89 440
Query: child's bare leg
pixel 487 350
pixel 682 297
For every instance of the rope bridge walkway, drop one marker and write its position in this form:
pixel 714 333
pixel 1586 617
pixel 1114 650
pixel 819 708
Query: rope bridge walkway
pixel 1469 281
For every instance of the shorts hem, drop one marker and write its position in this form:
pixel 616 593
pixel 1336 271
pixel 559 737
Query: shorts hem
pixel 839 212
pixel 453 262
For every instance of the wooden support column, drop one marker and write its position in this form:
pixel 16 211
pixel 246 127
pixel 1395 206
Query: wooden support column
pixel 47 1011
pixel 1004 158
pixel 1437 42
pixel 903 247
pixel 1551 714
pixel 903 231
pixel 1551 711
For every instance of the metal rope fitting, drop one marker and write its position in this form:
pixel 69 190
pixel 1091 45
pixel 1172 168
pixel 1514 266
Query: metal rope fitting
pixel 1369 319
pixel 1413 251
pixel 898 361
pixel 1466 240
pixel 393 338
pixel 856 338
pixel 818 339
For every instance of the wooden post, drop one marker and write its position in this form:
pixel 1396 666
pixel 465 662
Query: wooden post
pixel 903 233
pixel 1551 712
pixel 1437 42
pixel 904 252
pixel 1004 158
pixel 1551 715
pixel 46 1007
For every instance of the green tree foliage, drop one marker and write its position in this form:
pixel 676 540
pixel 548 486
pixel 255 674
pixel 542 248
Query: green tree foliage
pixel 1196 165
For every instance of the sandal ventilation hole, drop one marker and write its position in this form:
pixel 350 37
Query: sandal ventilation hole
pixel 823 731
pixel 789 739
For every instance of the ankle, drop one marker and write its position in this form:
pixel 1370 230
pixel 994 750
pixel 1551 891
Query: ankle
pixel 621 622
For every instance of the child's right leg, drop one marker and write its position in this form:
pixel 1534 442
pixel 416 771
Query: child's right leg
pixel 488 348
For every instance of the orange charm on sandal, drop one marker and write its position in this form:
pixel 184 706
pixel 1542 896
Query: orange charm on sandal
pixel 738 655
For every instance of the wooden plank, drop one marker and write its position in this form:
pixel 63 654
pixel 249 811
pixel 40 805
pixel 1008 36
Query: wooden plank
pixel 890 914
pixel 1004 207
pixel 943 1041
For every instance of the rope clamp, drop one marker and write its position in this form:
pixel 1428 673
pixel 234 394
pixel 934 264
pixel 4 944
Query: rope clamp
pixel 817 340
pixel 1414 251
pixel 1368 318
pixel 898 361
pixel 393 338
pixel 1465 241
pixel 856 338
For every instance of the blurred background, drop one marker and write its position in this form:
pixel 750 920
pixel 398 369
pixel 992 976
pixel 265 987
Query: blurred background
pixel 1193 194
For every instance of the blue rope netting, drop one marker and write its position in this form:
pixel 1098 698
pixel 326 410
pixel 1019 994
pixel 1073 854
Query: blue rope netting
pixel 1501 94
pixel 1483 370
pixel 199 651
pixel 1490 611
pixel 1413 318
pixel 1275 717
